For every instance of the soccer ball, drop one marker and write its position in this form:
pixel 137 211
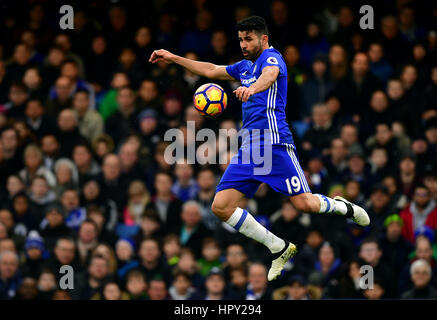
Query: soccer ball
pixel 210 100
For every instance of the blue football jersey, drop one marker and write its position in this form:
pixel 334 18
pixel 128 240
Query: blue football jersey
pixel 265 110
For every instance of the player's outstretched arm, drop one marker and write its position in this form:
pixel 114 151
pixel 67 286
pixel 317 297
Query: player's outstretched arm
pixel 265 81
pixel 204 69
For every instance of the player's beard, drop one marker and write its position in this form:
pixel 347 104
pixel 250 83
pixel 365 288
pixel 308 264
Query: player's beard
pixel 255 53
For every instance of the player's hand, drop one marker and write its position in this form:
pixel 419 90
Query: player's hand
pixel 244 93
pixel 161 55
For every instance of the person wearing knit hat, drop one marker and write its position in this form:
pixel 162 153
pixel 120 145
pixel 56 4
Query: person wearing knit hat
pixel 147 113
pixel 34 241
pixel 425 231
pixel 128 241
pixel 35 255
pixel 53 225
pixel 395 248
pixel 56 206
pixel 125 249
pixel 393 218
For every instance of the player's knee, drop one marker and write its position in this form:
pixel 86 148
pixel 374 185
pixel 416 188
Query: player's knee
pixel 221 208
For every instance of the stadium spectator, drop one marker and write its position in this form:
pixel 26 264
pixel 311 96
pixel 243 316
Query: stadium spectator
pixel 33 160
pixel 46 284
pixel 319 136
pixel 110 291
pixel 10 278
pixel 152 262
pixel 108 104
pixel 66 175
pixel 370 252
pixel 93 281
pixel 354 90
pixel 290 224
pixel 379 66
pixel 258 287
pixel 187 263
pixel 53 225
pixel 62 99
pixel 20 62
pixel 296 290
pixel 395 248
pixel 120 124
pixel 39 123
pixel 430 181
pixel 148 95
pixel 329 265
pixel 422 211
pixel 420 275
pixel 87 241
pixel 185 187
pixel 35 255
pixel 157 289
pixel 136 285
pixel 167 205
pixel 206 181
pixel 315 42
pixel 131 167
pixel 125 249
pixel 306 261
pixel 358 168
pixel 90 122
pixel 96 62
pixel 171 247
pixel 379 207
pixel 215 287
pixel 423 250
pixel 375 293
pixel 192 231
pixel 349 284
pixel 211 254
pixel 181 288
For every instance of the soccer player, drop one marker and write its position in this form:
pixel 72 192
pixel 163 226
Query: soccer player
pixel 263 75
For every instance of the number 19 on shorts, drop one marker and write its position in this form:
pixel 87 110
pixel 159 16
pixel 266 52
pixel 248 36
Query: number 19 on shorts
pixel 293 184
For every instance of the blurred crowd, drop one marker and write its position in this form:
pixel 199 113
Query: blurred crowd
pixel 84 181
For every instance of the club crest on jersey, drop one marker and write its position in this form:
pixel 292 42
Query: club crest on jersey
pixel 272 60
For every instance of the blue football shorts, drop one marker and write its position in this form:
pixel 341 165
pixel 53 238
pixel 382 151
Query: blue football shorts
pixel 286 175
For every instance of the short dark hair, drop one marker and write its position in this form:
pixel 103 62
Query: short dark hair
pixel 84 144
pixel 370 239
pixel 256 24
pixel 70 61
pixel 135 273
pixel 93 208
pixel 180 273
pixel 87 220
pixel 18 84
pixel 35 99
pixel 81 90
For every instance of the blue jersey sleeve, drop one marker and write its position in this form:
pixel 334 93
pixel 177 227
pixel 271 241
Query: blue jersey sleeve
pixel 234 69
pixel 274 59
